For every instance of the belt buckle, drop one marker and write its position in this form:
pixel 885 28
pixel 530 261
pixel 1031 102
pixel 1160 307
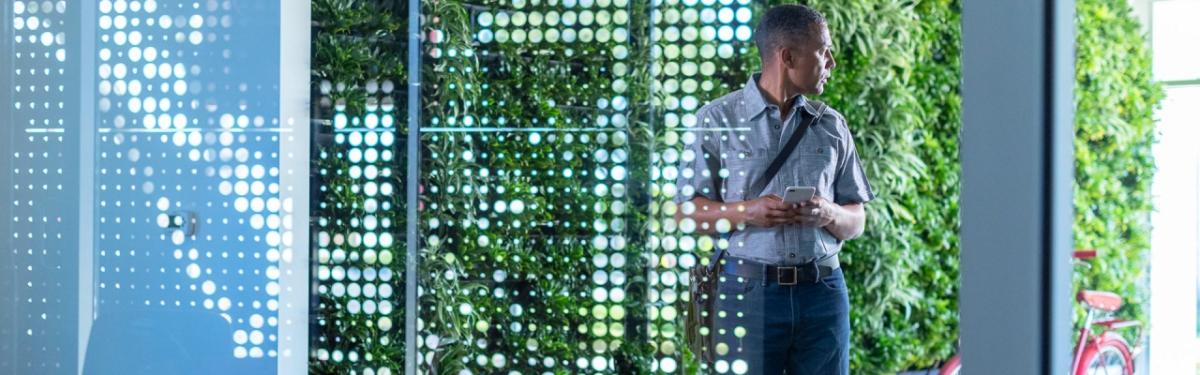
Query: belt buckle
pixel 779 275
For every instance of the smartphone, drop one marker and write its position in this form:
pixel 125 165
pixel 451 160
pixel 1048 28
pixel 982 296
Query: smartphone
pixel 798 194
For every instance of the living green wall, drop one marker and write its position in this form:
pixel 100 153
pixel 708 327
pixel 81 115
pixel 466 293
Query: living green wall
pixel 897 83
pixel 587 275
pixel 502 289
pixel 358 94
pixel 530 249
pixel 1115 100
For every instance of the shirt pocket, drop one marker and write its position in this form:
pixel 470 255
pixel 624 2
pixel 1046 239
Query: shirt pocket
pixel 739 169
pixel 817 167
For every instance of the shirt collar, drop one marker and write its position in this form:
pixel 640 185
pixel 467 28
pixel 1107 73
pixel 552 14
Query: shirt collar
pixel 754 104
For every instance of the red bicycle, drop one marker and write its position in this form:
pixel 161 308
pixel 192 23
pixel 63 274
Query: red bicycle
pixel 1098 351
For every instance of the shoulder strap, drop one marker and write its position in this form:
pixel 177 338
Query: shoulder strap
pixel 777 163
pixel 715 258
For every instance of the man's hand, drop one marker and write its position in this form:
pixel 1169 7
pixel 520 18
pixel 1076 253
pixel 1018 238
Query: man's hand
pixel 816 212
pixel 766 211
pixel 842 221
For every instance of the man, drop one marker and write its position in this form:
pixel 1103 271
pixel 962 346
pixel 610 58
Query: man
pixel 783 307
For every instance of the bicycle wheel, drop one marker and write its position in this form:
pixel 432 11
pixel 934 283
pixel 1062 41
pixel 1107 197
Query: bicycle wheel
pixel 1109 356
pixel 953 366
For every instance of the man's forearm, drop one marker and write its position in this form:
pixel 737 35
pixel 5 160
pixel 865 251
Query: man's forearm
pixel 707 213
pixel 848 221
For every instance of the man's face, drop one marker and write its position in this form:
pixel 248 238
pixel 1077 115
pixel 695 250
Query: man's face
pixel 811 63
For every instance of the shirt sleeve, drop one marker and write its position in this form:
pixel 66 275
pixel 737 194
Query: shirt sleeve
pixel 699 164
pixel 850 184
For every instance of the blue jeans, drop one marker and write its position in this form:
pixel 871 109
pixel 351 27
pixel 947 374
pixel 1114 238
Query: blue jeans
pixel 783 329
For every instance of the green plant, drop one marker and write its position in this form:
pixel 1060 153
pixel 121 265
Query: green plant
pixel 1115 100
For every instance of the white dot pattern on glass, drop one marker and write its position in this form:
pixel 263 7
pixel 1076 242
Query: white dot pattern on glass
pixel 695 43
pixel 41 211
pixel 359 254
pixel 173 143
pixel 533 207
pixel 190 213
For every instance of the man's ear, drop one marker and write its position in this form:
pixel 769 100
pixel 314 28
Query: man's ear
pixel 786 57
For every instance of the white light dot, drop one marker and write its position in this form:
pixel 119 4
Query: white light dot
pixel 163 203
pixel 193 271
pixel 740 367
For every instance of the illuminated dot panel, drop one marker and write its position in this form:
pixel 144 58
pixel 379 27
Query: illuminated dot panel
pixel 359 243
pixel 39 293
pixel 527 262
pixel 189 207
pixel 698 54
pixel 360 191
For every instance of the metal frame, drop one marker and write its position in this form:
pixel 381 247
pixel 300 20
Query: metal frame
pixel 87 185
pixel 295 150
pixel 1017 172
pixel 1181 83
pixel 412 240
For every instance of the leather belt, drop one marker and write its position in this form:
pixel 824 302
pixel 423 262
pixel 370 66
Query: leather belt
pixel 810 272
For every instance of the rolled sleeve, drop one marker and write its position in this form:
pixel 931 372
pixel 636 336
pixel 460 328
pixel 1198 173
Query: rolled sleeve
pixel 850 182
pixel 699 164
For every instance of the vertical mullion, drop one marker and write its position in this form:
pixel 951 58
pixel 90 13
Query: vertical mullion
pixel 1059 179
pixel 413 157
pixel 650 78
pixel 87 157
pixel 295 146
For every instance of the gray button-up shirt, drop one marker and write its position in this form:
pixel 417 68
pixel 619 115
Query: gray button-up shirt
pixel 730 145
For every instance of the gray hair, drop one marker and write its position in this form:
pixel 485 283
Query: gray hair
pixel 783 25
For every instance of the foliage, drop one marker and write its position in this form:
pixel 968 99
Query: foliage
pixel 356 66
pixel 509 288
pixel 897 83
pixel 486 270
pixel 1115 100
